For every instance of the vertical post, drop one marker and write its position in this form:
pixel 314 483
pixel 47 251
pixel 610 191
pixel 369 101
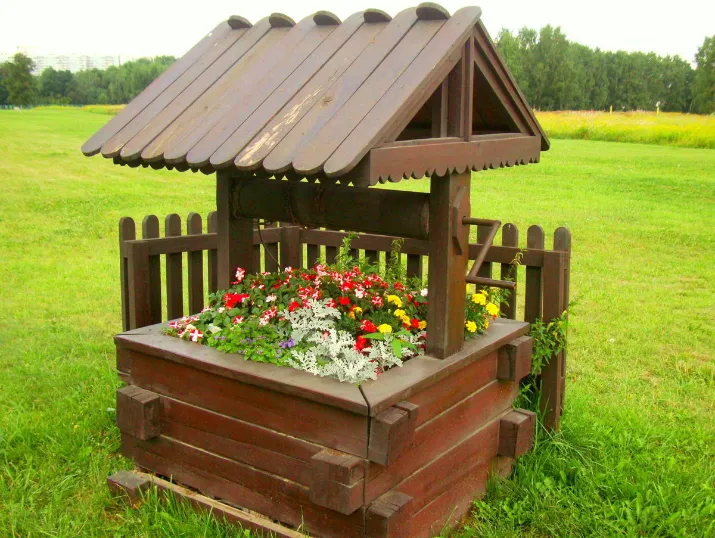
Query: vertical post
pixel 510 238
pixel 291 248
pixel 554 304
pixel 127 232
pixel 532 292
pixel 212 256
pixel 234 234
pixel 448 257
pixel 194 226
pixel 562 242
pixel 150 230
pixel 138 284
pixel 174 271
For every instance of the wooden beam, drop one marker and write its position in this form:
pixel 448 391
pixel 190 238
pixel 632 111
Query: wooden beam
pixel 234 234
pixel 447 263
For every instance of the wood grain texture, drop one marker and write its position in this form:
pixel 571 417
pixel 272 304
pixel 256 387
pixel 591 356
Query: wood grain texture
pixel 130 485
pixel 322 424
pixel 150 230
pixel 516 433
pixel 514 359
pixel 174 271
pixel 281 157
pixel 139 412
pixel 154 90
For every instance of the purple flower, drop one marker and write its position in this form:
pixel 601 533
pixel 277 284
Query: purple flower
pixel 287 343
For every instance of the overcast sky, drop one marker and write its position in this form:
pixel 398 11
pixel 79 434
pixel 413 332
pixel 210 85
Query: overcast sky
pixel 153 27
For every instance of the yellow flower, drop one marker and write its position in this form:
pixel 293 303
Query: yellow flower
pixel 422 325
pixel 471 326
pixel 357 310
pixel 486 324
pixel 384 328
pixel 351 314
pixel 399 313
pixel 478 298
pixel 394 299
pixel 492 309
pixel 405 319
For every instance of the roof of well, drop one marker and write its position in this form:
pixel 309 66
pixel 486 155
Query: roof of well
pixel 307 98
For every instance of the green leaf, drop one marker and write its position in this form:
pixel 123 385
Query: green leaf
pixel 374 336
pixel 397 348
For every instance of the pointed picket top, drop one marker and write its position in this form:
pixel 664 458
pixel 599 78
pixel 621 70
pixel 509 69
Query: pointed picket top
pixel 369 99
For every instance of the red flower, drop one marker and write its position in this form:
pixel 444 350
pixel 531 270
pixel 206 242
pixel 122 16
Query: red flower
pixel 295 305
pixel 361 343
pixel 368 326
pixel 331 303
pixel 345 301
pixel 232 299
pixel 415 323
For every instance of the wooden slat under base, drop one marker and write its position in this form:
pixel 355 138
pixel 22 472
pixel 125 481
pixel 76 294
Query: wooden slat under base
pixel 130 482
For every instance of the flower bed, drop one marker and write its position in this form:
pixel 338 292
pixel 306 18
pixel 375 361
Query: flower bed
pixel 350 324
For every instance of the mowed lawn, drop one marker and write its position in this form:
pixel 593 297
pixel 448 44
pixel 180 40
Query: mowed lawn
pixel 636 455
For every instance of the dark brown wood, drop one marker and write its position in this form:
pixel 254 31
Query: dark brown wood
pixel 447 268
pixel 386 517
pixel 391 433
pixel 515 359
pixel 414 266
pixel 516 433
pixel 235 234
pixel 509 238
pixel 270 250
pixel 552 374
pixel 150 230
pixel 562 242
pixel 129 484
pixel 138 412
pixel 196 266
pixel 174 271
pixel 138 284
pixel 424 160
pixel 337 481
pixel 127 232
pixel 532 291
pixel 212 255
pixel 291 249
pixel 347 431
pixel 315 205
pixel 485 270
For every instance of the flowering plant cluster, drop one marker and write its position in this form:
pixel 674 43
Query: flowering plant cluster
pixel 347 323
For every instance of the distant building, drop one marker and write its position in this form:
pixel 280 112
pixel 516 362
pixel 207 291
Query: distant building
pixel 64 62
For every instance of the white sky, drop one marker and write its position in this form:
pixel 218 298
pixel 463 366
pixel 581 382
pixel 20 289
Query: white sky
pixel 153 27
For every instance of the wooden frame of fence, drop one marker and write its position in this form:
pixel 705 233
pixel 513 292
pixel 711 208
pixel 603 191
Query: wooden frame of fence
pixel 546 279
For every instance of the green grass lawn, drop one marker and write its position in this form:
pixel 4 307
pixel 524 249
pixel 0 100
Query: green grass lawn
pixel 636 455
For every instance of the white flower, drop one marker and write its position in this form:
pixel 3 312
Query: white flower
pixel 271 298
pixel 423 292
pixel 221 309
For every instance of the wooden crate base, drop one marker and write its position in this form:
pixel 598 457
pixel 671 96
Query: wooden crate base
pixel 402 456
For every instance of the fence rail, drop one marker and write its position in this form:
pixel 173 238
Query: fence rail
pixel 545 278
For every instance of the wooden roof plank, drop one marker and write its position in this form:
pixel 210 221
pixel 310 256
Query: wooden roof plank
pixel 114 145
pixel 311 157
pixel 279 159
pixel 305 73
pixel 205 105
pixel 276 65
pixel 415 86
pixel 154 90
pixel 133 148
pixel 281 124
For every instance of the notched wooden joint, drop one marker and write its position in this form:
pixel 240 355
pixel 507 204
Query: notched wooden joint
pixel 516 433
pixel 387 515
pixel 129 484
pixel 514 359
pixel 139 412
pixel 392 433
pixel 337 481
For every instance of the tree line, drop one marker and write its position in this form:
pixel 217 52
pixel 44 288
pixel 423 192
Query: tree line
pixel 553 72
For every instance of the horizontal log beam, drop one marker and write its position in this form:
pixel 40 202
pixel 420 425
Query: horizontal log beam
pixel 398 213
pixel 193 243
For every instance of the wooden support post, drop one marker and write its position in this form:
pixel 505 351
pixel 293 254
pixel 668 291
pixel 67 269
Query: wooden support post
pixel 291 248
pixel 552 379
pixel 448 257
pixel 138 285
pixel 127 232
pixel 234 234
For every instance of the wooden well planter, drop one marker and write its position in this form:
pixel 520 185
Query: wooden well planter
pixel 344 105
pixel 403 455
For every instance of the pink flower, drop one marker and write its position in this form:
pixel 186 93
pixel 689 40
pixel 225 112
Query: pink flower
pixel 377 301
pixel 195 335
pixel 240 275
pixel 237 320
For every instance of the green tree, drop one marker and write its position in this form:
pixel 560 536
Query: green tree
pixel 18 80
pixel 55 86
pixel 3 89
pixel 704 83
